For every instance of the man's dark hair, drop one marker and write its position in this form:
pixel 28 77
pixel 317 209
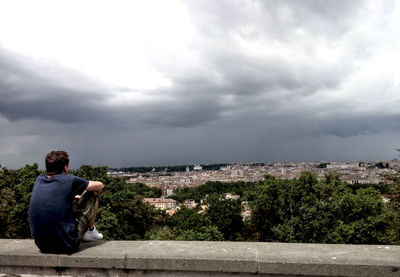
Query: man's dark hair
pixel 56 161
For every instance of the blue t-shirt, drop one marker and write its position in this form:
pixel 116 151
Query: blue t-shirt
pixel 51 215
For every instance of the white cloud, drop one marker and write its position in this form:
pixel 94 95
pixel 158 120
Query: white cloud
pixel 109 41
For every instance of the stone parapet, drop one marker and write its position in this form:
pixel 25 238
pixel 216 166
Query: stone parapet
pixel 194 258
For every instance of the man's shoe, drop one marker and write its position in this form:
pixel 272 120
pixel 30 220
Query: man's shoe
pixel 92 235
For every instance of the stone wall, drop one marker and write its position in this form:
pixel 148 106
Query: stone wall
pixel 183 258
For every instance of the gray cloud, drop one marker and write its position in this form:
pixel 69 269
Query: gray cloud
pixel 320 17
pixel 25 94
pixel 231 104
pixel 275 18
pixel 354 125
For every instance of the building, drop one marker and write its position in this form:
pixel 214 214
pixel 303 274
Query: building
pixel 246 211
pixel 342 165
pixel 190 203
pixel 232 196
pixel 161 203
pixel 170 192
pixel 166 192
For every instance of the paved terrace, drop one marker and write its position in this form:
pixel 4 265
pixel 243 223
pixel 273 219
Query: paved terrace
pixel 179 258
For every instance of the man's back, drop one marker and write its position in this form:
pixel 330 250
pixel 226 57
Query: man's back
pixel 51 214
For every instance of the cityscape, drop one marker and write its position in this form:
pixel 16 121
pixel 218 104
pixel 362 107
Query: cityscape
pixel 365 172
pixel 171 178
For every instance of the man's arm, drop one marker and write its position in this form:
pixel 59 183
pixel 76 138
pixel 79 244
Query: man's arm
pixel 95 186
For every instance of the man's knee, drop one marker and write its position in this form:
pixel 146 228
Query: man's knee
pixel 85 211
pixel 88 198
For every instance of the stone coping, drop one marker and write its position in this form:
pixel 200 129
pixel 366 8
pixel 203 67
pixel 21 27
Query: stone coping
pixel 229 257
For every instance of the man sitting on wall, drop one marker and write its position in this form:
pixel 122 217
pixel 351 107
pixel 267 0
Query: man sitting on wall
pixel 55 225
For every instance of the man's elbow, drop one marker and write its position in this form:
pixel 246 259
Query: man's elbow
pixel 95 186
pixel 99 186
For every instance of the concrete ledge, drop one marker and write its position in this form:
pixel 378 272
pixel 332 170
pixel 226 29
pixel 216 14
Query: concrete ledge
pixel 184 258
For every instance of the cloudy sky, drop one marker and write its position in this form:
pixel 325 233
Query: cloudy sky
pixel 127 83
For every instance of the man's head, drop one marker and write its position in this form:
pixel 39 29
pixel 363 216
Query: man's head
pixel 57 162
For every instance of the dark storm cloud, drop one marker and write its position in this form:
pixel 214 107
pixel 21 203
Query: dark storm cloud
pixel 242 73
pixel 354 125
pixel 308 124
pixel 26 92
pixel 231 84
pixel 251 79
pixel 248 76
pixel 184 114
pixel 275 86
pixel 248 82
pixel 262 81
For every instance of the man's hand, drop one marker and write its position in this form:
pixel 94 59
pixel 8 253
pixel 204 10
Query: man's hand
pixel 77 197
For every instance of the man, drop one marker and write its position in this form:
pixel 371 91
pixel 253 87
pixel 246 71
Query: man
pixel 56 226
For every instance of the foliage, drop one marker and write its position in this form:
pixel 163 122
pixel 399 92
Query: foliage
pixel 7 202
pixel 122 214
pixel 189 224
pixel 145 191
pixel 161 233
pixel 305 210
pixel 15 193
pixel 205 233
pixel 225 214
pixel 186 224
pixel 187 219
pixel 213 187
pixel 394 204
pixel 298 210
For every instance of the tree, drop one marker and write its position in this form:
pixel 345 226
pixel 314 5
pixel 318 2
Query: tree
pixel 17 184
pixel 266 209
pixel 7 203
pixel 206 233
pixel 145 191
pixel 393 180
pixel 161 233
pixel 328 211
pixel 187 219
pixel 225 214
pixel 297 210
pixel 187 224
pixel 122 212
pixel 107 222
